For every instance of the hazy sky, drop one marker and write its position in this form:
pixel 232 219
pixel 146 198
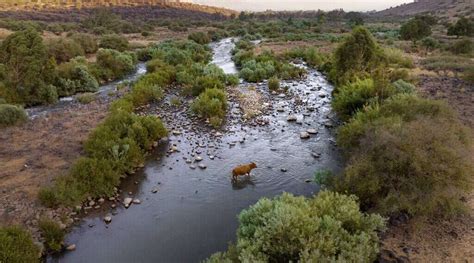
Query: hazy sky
pixel 348 5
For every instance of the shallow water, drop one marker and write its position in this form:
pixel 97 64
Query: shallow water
pixel 194 213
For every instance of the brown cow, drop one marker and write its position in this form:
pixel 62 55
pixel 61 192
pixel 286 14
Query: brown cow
pixel 243 170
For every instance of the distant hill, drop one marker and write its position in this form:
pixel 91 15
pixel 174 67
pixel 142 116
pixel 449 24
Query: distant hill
pixel 48 5
pixel 448 9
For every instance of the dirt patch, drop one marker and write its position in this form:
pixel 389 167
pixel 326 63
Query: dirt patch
pixel 33 154
pixel 456 92
pixel 251 102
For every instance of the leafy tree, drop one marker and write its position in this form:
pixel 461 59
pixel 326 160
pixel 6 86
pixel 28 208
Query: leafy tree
pixel 463 27
pixel 327 228
pixel 27 69
pixel 358 56
pixel 429 43
pixel 114 41
pixel 415 29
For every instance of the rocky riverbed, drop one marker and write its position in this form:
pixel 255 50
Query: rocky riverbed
pixel 184 199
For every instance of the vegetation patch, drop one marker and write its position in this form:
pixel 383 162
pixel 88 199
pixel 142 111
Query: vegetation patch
pixel 11 115
pixel 16 245
pixel 294 229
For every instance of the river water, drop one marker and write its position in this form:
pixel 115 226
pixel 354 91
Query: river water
pixel 194 211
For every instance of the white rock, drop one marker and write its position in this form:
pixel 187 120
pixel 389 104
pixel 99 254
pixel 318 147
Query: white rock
pixel 137 201
pixel 304 135
pixel 127 201
pixel 198 158
pixel 312 131
pixel 202 166
pixel 108 219
pixel 71 247
pixel 292 118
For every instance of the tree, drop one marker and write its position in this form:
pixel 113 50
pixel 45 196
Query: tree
pixel 358 56
pixel 415 29
pixel 28 70
pixel 463 27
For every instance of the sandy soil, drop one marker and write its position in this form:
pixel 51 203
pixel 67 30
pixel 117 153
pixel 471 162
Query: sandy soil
pixel 33 154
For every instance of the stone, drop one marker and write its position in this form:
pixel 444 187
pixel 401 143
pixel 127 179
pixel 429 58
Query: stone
pixel 292 118
pixel 312 131
pixel 127 201
pixel 101 200
pixel 176 132
pixel 137 201
pixel 304 135
pixel 308 180
pixel 198 158
pixel 192 167
pixel 108 219
pixel 202 166
pixel 284 170
pixel 71 247
pixel 154 190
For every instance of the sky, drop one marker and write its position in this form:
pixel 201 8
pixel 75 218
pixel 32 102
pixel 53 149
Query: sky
pixel 261 5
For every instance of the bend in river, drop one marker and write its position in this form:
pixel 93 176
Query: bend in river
pixel 187 214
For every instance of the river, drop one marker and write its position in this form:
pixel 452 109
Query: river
pixel 187 214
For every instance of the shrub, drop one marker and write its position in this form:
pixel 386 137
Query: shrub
pixel 52 234
pixel 469 75
pixel 357 57
pixel 28 70
pixel 86 98
pixel 11 115
pixel 402 86
pixel 420 168
pixel 115 42
pixel 206 82
pixel 415 29
pixel 64 49
pixel 112 64
pixel 464 46
pixel 75 77
pixel 200 38
pixel 274 84
pixel 328 227
pixel 88 42
pixel 354 96
pixel 429 43
pixel 212 103
pixel 16 246
pixel 463 27
pixel 142 94
pixel 398 58
pixel 232 80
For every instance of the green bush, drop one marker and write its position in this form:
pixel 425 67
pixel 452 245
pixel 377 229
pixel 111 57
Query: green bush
pixel 142 93
pixel 86 98
pixel 233 80
pixel 206 82
pixel 16 246
pixel 88 42
pixel 358 56
pixel 415 29
pixel 353 97
pixel 200 38
pixel 28 71
pixel 273 84
pixel 469 75
pixel 115 42
pixel 52 234
pixel 11 115
pixel 407 155
pixel 212 103
pixel 429 43
pixel 463 27
pixel 112 64
pixel 402 86
pixel 396 57
pixel 75 77
pixel 64 49
pixel 328 227
pixel 464 46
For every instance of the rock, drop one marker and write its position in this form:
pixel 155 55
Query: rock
pixel 316 155
pixel 304 135
pixel 308 180
pixel 91 203
pixel 71 247
pixel 218 134
pixel 137 201
pixel 292 118
pixel 176 132
pixel 113 206
pixel 189 161
pixel 108 219
pixel 127 201
pixel 154 190
pixel 312 131
pixel 280 109
pixel 212 157
pixel 101 200
pixel 198 158
pixel 202 166
pixel 192 167
pixel 282 95
pixel 284 170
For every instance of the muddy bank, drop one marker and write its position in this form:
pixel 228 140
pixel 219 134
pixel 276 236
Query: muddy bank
pixel 188 201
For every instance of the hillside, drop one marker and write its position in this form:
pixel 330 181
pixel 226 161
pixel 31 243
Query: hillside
pixel 448 9
pixel 54 5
